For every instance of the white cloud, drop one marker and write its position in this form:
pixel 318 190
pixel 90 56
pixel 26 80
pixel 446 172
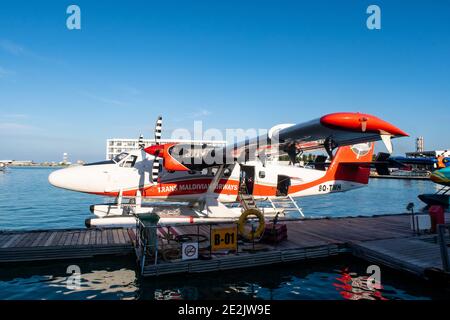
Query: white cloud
pixel 104 100
pixel 14 116
pixel 201 113
pixel 19 50
pixel 12 126
pixel 130 90
pixel 5 72
pixel 11 47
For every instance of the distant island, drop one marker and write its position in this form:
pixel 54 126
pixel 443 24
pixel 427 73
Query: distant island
pixel 30 163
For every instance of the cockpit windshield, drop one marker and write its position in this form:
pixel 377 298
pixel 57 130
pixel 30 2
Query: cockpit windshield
pixel 120 157
pixel 129 162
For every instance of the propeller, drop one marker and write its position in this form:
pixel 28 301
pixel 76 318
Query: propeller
pixel 156 162
pixel 141 142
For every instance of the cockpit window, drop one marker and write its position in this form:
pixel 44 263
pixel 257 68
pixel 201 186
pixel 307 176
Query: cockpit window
pixel 120 157
pixel 129 162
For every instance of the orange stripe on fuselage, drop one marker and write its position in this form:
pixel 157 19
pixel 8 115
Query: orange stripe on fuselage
pixel 264 190
pixel 339 171
pixel 184 187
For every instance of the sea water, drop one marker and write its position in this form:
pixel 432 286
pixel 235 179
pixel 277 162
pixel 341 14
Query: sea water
pixel 28 201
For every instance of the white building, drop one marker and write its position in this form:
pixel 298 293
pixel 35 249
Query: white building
pixel 118 145
pixel 431 154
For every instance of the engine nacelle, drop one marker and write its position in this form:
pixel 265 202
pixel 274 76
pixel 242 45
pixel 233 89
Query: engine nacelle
pixel 164 151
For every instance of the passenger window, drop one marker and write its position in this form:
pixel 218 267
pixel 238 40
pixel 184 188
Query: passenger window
pixel 262 174
pixel 227 172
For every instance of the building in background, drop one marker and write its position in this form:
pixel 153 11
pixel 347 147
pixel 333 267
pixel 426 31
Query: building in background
pixel 65 160
pixel 419 144
pixel 22 163
pixel 429 154
pixel 421 153
pixel 116 146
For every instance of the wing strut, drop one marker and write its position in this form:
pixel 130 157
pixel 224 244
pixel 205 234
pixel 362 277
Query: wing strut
pixel 386 138
pixel 329 146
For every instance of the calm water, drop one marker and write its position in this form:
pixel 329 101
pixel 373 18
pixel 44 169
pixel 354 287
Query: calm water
pixel 332 279
pixel 27 201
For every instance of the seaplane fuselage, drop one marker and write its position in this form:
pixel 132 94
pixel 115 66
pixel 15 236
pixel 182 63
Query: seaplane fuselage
pixel 128 175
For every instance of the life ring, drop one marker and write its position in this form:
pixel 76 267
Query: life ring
pixel 261 225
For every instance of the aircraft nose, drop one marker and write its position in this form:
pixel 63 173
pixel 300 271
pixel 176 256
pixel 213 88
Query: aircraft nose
pixel 80 178
pixel 56 178
pixel 69 178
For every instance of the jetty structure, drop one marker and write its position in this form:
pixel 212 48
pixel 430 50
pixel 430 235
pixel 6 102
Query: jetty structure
pixel 386 240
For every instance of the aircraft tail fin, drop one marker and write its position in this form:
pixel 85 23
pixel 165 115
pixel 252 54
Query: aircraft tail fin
pixel 352 163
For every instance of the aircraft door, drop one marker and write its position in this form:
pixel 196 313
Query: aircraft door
pixel 283 184
pixel 247 179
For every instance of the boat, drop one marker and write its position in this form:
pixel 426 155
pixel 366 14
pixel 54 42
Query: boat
pixel 435 199
pixel 442 196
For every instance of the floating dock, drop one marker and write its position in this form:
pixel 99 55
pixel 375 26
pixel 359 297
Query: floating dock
pixel 386 240
pixel 44 245
pixel 416 255
pixel 403 177
pixel 372 238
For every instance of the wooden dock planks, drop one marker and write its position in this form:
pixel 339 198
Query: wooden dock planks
pixel 62 244
pixel 412 254
pixel 387 240
pixel 384 239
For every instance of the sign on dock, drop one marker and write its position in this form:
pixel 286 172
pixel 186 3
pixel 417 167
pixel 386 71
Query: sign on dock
pixel 224 238
pixel 190 250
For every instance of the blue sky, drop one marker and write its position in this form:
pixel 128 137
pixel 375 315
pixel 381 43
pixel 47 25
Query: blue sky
pixel 231 64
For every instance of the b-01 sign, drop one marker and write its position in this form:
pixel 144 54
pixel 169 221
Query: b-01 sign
pixel 224 238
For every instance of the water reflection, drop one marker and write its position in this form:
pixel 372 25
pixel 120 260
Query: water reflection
pixel 352 286
pixel 104 279
pixel 337 279
pixel 321 280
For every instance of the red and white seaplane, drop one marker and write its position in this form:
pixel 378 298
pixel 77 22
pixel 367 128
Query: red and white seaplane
pixel 207 179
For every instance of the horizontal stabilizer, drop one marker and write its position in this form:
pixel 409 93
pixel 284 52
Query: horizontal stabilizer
pixel 382 164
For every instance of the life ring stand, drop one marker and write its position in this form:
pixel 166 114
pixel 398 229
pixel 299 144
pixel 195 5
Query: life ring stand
pixel 243 219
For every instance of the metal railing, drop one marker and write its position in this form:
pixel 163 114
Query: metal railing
pixel 151 247
pixel 288 200
pixel 443 245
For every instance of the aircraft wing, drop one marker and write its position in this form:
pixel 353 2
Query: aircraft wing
pixel 329 132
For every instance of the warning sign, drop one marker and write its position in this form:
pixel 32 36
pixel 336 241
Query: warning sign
pixel 224 238
pixel 190 250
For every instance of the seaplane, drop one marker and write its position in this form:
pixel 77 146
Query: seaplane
pixel 188 183
pixel 442 196
pixel 440 175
